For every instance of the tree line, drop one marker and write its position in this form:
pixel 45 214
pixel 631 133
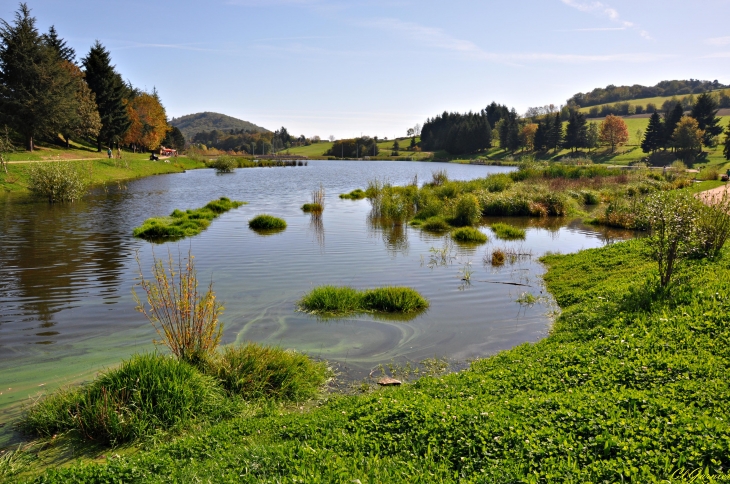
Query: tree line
pixel 612 94
pixel 250 141
pixel 628 109
pixel 45 92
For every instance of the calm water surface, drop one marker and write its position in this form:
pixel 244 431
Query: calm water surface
pixel 67 273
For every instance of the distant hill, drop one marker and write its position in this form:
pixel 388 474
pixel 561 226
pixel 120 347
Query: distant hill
pixel 192 124
pixel 612 94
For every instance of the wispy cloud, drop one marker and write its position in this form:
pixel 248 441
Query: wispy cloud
pixel 603 10
pixel 718 41
pixel 437 38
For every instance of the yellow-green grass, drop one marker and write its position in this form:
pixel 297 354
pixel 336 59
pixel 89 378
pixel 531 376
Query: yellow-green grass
pixel 101 170
pixel 266 222
pixel 657 101
pixel 340 301
pixel 356 194
pixel 184 224
pixel 312 207
pixel 507 232
pixel 315 151
pixel 469 235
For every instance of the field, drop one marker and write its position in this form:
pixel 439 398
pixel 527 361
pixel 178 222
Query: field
pixel 657 101
pixel 317 150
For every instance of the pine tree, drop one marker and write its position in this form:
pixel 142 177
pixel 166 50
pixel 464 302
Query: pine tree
pixel 654 135
pixel 726 151
pixel 110 91
pixel 540 136
pixel 671 120
pixel 705 111
pixel 36 94
pixel 576 132
pixel 52 40
pixel 555 133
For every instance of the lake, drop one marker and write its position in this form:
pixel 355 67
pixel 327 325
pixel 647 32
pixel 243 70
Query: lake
pixel 67 274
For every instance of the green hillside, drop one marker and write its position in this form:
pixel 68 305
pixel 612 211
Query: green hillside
pixel 643 102
pixel 192 124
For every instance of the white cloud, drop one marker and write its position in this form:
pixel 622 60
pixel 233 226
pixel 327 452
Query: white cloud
pixel 435 37
pixel 718 41
pixel 601 9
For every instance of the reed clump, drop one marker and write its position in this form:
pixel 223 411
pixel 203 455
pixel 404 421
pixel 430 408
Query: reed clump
pixel 357 194
pixel 469 235
pixel 435 224
pixel 312 208
pixel 266 222
pixel 338 301
pixel 508 232
pixel 145 394
pixel 180 224
pixel 317 205
pixel 254 371
pixel 498 257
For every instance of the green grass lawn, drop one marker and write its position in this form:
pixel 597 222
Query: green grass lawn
pixel 657 101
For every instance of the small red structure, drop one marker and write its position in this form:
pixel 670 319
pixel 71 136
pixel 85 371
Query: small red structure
pixel 167 151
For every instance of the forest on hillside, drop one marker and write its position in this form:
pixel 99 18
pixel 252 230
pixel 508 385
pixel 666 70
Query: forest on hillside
pixel 612 94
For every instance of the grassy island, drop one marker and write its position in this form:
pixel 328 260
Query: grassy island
pixel 340 301
pixel 184 224
pixel 265 222
pixel 507 232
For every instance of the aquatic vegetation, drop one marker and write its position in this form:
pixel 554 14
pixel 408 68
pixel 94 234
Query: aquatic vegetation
pixel 58 181
pixel 146 393
pixel 254 371
pixel 338 301
pixel 498 256
pixel 224 164
pixel 435 224
pixel 312 207
pixel 467 211
pixel 508 232
pixel 357 194
pixel 266 222
pixel 469 235
pixel 184 224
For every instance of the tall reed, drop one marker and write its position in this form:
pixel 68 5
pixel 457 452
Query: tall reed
pixel 186 320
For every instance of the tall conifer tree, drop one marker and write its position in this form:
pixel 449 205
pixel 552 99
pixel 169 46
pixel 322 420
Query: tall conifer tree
pixel 52 40
pixel 576 133
pixel 704 111
pixel 654 135
pixel 671 120
pixel 110 91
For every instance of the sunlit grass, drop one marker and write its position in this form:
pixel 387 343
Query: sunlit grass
pixel 469 235
pixel 337 301
pixel 266 222
pixel 508 232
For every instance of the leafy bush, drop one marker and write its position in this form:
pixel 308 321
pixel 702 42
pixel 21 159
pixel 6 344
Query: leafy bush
pixel 58 181
pixel 255 371
pixel 224 164
pixel 186 320
pixel 337 301
pixel 467 211
pixel 146 393
pixel 184 224
pixel 709 173
pixel 508 232
pixel 469 235
pixel 266 222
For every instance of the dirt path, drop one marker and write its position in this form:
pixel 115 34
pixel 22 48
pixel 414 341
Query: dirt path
pixel 715 195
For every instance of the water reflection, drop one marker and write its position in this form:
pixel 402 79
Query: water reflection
pixel 394 236
pixel 317 227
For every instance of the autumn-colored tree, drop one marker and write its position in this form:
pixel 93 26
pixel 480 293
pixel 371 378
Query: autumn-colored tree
pixel 687 137
pixel 527 136
pixel 149 122
pixel 614 131
pixel 83 121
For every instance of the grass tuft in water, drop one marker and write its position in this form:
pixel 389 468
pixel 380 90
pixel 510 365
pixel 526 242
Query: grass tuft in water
pixel 184 224
pixel 435 224
pixel 266 222
pixel 508 232
pixel 357 194
pixel 254 371
pixel 312 207
pixel 469 235
pixel 498 256
pixel 337 301
pixel 146 393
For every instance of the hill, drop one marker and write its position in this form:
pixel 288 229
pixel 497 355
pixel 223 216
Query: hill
pixel 191 124
pixel 612 94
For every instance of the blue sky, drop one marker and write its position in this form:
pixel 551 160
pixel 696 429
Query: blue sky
pixel 330 67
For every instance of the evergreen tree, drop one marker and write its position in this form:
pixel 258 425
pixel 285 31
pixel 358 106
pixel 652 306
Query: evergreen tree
pixel 593 136
pixel 705 111
pixel 726 151
pixel 671 120
pixel 52 40
pixel 36 94
pixel 513 131
pixel 555 133
pixel 110 92
pixel 654 135
pixel 576 133
pixel 540 139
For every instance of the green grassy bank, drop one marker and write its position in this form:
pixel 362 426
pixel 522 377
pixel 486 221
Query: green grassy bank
pixel 101 170
pixel 630 386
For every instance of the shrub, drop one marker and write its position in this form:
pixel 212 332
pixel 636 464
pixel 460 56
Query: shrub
pixel 590 198
pixel 467 211
pixel 435 224
pixel 146 393
pixel 266 222
pixel 439 177
pixel 58 181
pixel 186 320
pixel 469 235
pixel 508 232
pixel 712 225
pixel 224 164
pixel 184 224
pixel 709 173
pixel 255 371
